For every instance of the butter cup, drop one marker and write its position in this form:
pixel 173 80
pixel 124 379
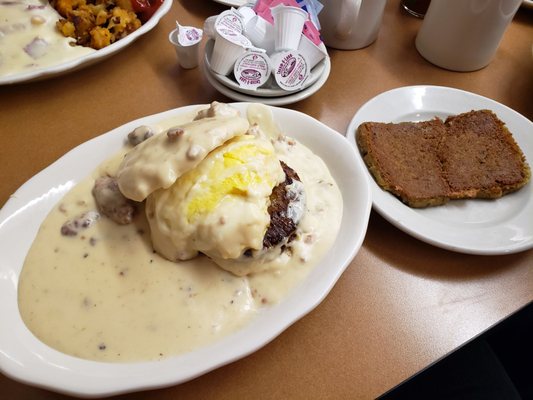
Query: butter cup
pixel 228 47
pixel 313 53
pixel 288 22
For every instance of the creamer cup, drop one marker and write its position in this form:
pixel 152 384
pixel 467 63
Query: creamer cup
pixel 209 26
pixel 313 53
pixel 188 35
pixel 288 23
pixel 228 47
pixel 186 41
pixel 261 33
pixel 230 19
pixel 290 69
pixel 247 14
pixel 252 69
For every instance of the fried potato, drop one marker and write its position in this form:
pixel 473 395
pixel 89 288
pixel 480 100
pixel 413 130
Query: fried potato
pixel 96 23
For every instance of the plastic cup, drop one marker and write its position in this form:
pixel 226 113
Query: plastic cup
pixel 288 22
pixel 209 26
pixel 261 33
pixel 228 47
pixel 313 53
pixel 247 13
pixel 290 69
pixel 186 41
pixel 230 19
pixel 252 69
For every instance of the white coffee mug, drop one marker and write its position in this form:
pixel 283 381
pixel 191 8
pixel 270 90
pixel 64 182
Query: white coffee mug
pixel 350 24
pixel 463 35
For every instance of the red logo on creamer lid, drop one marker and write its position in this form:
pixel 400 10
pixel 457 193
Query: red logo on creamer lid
pixel 287 65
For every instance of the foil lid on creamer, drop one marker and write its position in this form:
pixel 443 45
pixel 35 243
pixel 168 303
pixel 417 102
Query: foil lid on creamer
pixel 188 35
pixel 290 69
pixel 230 19
pixel 252 69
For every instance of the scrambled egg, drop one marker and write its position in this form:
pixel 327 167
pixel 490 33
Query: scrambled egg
pixel 218 208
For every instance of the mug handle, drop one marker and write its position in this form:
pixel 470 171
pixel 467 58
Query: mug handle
pixel 348 15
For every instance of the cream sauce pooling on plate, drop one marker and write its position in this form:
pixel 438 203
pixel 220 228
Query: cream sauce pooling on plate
pixel 105 295
pixel 29 38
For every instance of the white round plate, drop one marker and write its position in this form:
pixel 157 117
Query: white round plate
pixel 489 227
pixel 24 358
pixel 88 59
pixel 273 101
pixel 234 3
pixel 270 88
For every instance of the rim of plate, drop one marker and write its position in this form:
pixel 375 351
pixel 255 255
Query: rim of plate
pixel 24 358
pixel 411 220
pixel 90 58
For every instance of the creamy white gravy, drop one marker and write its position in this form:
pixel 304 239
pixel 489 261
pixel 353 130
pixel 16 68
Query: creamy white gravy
pixel 29 38
pixel 105 295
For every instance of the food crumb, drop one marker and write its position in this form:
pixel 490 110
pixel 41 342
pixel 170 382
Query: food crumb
pixel 174 134
pixel 85 255
pixel 102 346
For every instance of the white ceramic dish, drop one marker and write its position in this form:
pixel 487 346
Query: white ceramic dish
pixel 25 358
pixel 273 101
pixel 487 227
pixel 270 88
pixel 234 3
pixel 88 59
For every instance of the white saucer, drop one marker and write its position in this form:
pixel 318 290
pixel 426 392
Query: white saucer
pixel 488 227
pixel 234 3
pixel 270 88
pixel 272 101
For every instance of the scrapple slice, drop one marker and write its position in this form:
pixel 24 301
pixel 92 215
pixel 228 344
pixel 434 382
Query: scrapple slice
pixel 480 158
pixel 403 158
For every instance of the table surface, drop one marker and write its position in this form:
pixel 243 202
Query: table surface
pixel 401 304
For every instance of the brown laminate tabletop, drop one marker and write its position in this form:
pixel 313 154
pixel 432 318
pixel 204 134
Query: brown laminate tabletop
pixel 401 304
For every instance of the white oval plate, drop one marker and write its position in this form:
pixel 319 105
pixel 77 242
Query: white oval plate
pixel 273 101
pixel 270 88
pixel 488 227
pixel 25 358
pixel 91 58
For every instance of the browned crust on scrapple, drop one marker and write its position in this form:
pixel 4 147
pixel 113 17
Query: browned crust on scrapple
pixel 403 159
pixel 470 155
pixel 480 158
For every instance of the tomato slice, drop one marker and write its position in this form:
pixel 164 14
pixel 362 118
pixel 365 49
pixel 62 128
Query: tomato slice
pixel 145 8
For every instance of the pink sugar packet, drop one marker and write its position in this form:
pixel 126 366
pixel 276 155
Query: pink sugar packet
pixel 263 7
pixel 312 32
